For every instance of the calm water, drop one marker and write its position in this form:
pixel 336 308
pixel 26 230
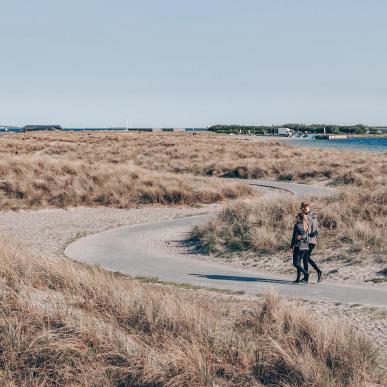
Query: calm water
pixel 367 144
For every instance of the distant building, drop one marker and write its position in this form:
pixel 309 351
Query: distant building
pixel 137 129
pixel 33 128
pixel 162 129
pixel 196 129
pixel 377 129
pixel 283 132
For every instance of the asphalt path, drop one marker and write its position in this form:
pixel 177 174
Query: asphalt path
pixel 137 250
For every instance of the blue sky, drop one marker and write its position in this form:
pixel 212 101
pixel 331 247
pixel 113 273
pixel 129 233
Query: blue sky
pixel 192 63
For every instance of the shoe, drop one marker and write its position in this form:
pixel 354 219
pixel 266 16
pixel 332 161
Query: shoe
pixel 305 279
pixel 320 276
pixel 296 281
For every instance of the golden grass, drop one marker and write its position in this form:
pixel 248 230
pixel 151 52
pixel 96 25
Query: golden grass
pixel 355 218
pixel 36 181
pixel 206 154
pixel 63 323
pixel 181 153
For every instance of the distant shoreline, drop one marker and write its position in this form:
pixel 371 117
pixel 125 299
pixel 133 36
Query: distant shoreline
pixel 355 143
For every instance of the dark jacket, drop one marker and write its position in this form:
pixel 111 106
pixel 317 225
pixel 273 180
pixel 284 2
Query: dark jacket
pixel 298 230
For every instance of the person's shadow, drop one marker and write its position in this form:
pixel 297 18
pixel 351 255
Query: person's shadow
pixel 242 279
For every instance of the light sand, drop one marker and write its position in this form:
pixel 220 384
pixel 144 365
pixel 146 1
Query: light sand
pixel 49 231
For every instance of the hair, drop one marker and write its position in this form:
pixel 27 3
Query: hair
pixel 303 218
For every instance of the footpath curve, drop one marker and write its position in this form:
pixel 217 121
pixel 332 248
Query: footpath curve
pixel 136 250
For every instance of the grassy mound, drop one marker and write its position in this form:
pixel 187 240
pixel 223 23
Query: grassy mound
pixel 356 219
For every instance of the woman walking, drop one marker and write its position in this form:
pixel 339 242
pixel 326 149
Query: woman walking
pixel 300 247
pixel 312 239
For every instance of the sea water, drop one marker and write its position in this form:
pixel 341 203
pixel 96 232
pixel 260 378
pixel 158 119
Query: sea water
pixel 373 144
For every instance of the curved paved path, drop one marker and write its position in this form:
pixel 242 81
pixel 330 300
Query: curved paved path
pixel 135 250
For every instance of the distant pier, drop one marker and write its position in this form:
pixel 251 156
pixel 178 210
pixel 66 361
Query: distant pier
pixel 330 136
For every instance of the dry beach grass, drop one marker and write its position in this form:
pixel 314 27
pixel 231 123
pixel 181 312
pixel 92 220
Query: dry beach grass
pixel 42 181
pixel 355 219
pixel 124 169
pixel 64 323
pixel 352 245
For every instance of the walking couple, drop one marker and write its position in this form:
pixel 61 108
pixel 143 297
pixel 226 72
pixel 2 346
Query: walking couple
pixel 303 242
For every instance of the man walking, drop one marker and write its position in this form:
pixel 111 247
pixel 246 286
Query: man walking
pixel 312 239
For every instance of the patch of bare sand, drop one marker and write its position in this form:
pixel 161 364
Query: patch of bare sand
pixel 343 267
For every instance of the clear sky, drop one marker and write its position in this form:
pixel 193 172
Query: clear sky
pixel 192 62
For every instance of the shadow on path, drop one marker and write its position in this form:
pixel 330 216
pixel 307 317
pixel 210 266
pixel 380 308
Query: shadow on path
pixel 242 279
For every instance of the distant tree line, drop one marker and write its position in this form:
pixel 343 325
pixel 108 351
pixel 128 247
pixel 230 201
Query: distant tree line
pixel 314 128
pixel 241 128
pixel 331 129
